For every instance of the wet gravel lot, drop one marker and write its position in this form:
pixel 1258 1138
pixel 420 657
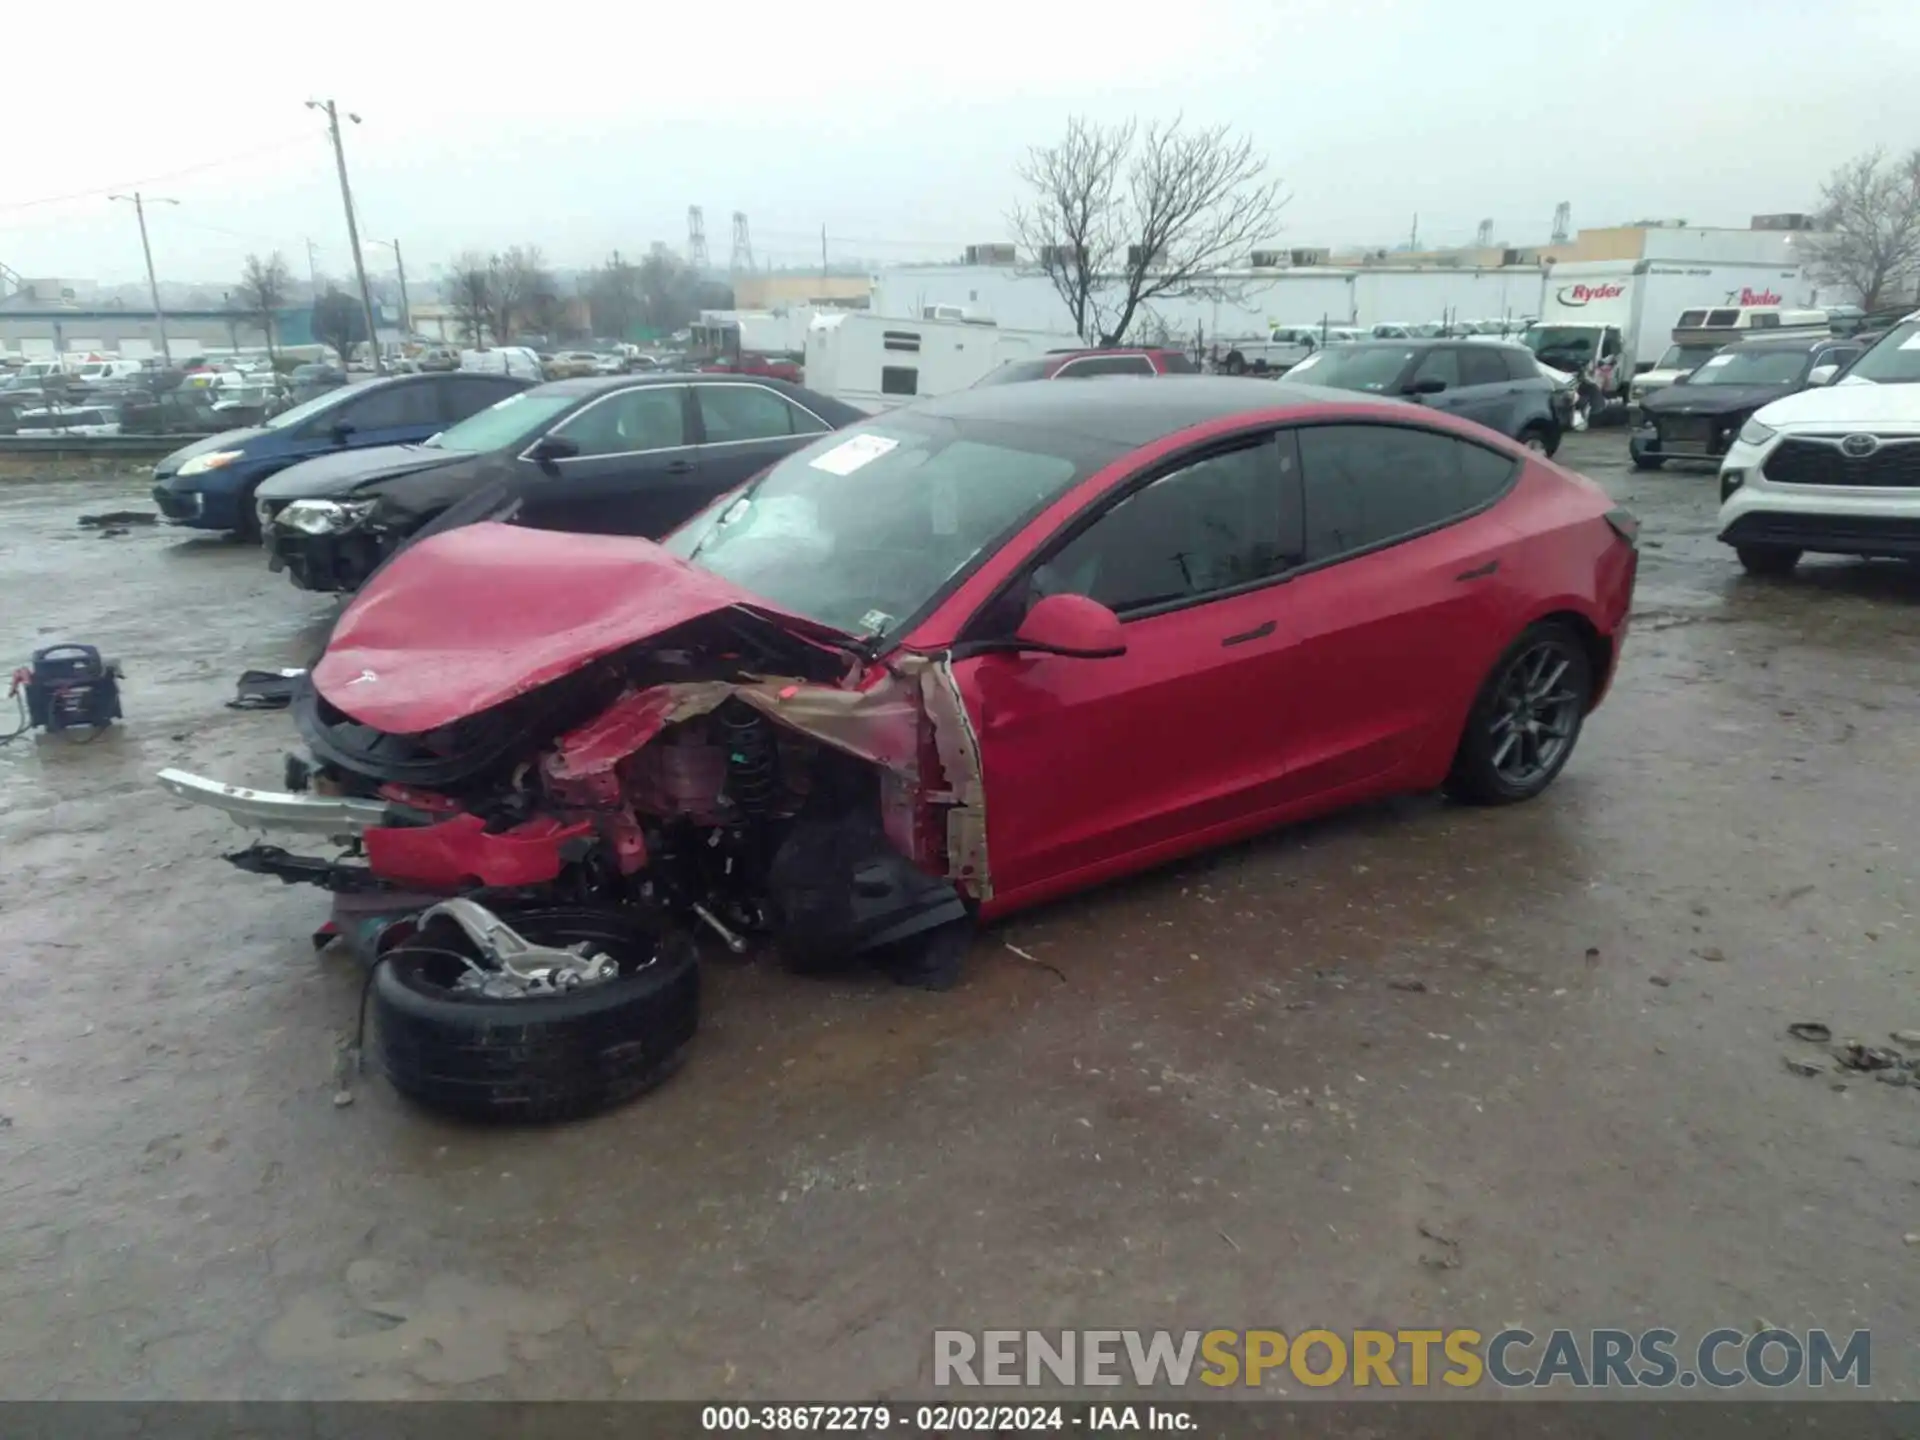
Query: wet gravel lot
pixel 1248 1091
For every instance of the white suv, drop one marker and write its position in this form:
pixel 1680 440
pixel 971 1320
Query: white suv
pixel 1834 470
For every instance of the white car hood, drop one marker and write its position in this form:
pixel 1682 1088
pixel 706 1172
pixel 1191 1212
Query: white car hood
pixel 1863 403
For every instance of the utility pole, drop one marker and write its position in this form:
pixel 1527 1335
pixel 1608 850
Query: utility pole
pixel 139 203
pixel 353 228
pixel 406 310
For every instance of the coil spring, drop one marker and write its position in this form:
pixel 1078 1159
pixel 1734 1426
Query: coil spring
pixel 753 758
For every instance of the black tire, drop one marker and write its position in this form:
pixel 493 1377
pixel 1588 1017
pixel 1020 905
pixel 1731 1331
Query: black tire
pixel 1771 560
pixel 247 532
pixel 1541 438
pixel 1644 461
pixel 542 1059
pixel 1236 363
pixel 1485 771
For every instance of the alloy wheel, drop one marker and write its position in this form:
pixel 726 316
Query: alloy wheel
pixel 1535 714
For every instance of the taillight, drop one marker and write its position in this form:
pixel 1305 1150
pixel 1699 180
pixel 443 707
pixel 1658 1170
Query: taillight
pixel 1626 525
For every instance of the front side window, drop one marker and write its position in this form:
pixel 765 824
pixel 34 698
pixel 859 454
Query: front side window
pixel 1211 526
pixel 1482 365
pixel 1366 485
pixel 465 395
pixel 1441 363
pixel 750 412
pixel 629 421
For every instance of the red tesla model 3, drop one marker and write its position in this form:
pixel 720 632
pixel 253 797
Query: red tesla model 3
pixel 967 656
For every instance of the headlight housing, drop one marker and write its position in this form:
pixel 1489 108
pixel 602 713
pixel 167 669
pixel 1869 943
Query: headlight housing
pixel 1754 433
pixel 213 460
pixel 324 517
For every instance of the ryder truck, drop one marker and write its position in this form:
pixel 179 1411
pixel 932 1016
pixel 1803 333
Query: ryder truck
pixel 1607 320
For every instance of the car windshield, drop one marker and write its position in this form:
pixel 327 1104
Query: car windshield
pixel 506 422
pixel 1686 357
pixel 1373 368
pixel 1894 361
pixel 1751 367
pixel 1559 342
pixel 862 529
pixel 307 409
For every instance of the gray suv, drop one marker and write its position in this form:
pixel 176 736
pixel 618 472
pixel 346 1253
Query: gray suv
pixel 1500 386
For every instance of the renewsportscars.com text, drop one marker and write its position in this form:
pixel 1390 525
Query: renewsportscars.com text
pixel 1510 1359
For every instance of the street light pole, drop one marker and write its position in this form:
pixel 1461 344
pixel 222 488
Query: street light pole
pixel 139 203
pixel 406 310
pixel 353 228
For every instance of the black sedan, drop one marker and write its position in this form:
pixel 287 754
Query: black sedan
pixel 615 455
pixel 1698 415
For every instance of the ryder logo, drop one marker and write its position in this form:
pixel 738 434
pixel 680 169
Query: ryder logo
pixel 1752 297
pixel 1587 294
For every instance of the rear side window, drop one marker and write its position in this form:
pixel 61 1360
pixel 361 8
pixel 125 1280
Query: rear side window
pixel 1105 365
pixel 392 407
pixel 1218 523
pixel 1481 366
pixel 464 395
pixel 750 412
pixel 1368 485
pixel 1520 363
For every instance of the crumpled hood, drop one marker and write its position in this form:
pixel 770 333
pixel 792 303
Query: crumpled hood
pixel 327 477
pixel 466 620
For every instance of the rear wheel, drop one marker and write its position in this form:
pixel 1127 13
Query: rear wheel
pixel 1236 363
pixel 1644 461
pixel 1767 559
pixel 1523 725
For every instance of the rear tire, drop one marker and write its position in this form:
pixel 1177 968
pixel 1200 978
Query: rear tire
pixel 1770 560
pixel 1236 363
pixel 1644 461
pixel 1526 719
pixel 539 1059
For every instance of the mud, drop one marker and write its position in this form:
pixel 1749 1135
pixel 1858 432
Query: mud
pixel 1415 1065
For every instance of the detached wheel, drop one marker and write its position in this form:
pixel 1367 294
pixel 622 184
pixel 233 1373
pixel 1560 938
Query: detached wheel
pixel 1772 560
pixel 1523 725
pixel 537 1059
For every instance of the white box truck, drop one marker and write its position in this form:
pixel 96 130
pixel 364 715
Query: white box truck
pixel 877 362
pixel 1605 321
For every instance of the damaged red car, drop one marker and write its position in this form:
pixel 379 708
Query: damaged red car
pixel 966 657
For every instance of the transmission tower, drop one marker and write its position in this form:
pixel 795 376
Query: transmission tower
pixel 1562 217
pixel 10 279
pixel 696 238
pixel 742 246
pixel 1483 237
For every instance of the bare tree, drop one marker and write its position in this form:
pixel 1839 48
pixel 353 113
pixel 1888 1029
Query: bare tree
pixel 517 285
pixel 1870 211
pixel 263 290
pixel 465 286
pixel 613 298
pixel 338 321
pixel 1120 217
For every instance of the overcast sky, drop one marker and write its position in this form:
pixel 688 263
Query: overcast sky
pixel 586 126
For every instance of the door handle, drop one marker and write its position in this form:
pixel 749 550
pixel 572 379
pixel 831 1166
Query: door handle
pixel 679 467
pixel 1482 573
pixel 1259 632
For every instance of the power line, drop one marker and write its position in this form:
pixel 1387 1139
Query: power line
pixel 151 179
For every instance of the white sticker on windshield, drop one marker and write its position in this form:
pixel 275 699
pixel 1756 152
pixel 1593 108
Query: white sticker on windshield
pixel 1912 342
pixel 874 621
pixel 1718 360
pixel 853 452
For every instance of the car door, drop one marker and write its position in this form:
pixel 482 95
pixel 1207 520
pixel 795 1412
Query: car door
pixel 393 414
pixel 745 427
pixel 1112 762
pixel 1401 606
pixel 633 469
pixel 1487 393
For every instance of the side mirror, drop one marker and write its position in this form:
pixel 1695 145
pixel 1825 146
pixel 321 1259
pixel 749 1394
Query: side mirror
pixel 1071 625
pixel 549 448
pixel 1682 378
pixel 343 431
pixel 1432 385
pixel 1822 374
